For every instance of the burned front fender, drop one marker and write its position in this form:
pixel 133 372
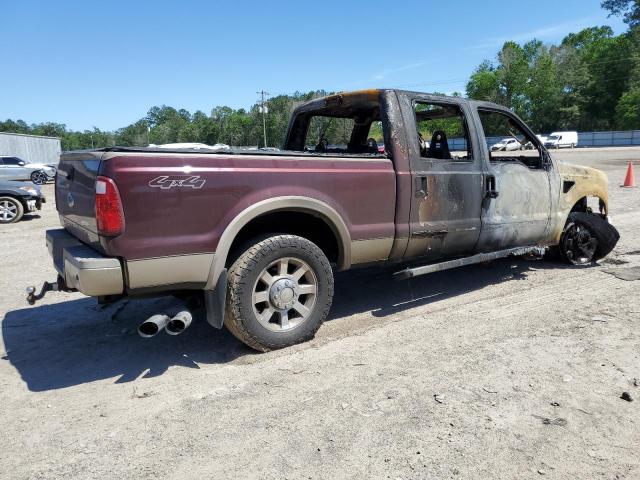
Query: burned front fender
pixel 577 184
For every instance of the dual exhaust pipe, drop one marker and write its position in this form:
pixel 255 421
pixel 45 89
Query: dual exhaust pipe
pixel 173 326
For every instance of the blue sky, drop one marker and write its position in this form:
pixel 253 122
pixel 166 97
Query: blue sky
pixel 90 63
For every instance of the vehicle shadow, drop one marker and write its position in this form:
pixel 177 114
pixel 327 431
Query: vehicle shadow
pixel 376 291
pixel 30 216
pixel 74 342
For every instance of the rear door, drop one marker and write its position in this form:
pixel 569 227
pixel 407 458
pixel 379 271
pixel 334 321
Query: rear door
pixel 446 178
pixel 10 169
pixel 517 185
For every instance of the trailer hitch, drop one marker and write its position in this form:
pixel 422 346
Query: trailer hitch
pixel 57 286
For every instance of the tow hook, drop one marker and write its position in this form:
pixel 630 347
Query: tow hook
pixel 58 286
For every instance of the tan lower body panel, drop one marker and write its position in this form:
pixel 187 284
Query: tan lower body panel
pixel 152 272
pixel 370 250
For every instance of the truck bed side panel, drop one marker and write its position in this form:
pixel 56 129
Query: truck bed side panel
pixel 180 204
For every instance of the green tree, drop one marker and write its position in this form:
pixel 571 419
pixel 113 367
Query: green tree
pixel 513 75
pixel 134 135
pixel 609 68
pixel 628 110
pixel 484 83
pixel 19 126
pixel 49 129
pixel 629 9
pixel 578 84
pixel 544 89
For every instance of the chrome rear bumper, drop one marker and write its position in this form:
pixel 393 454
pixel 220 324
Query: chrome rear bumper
pixel 83 268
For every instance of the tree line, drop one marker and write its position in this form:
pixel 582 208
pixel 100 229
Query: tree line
pixel 165 124
pixel 588 82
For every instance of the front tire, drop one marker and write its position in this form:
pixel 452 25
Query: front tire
pixel 11 210
pixel 39 177
pixel 279 292
pixel 587 238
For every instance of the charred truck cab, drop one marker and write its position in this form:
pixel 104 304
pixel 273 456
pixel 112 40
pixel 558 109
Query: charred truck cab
pixel 257 235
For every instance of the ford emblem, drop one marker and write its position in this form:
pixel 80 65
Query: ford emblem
pixel 70 200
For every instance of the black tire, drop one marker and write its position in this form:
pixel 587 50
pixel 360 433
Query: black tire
pixel 597 236
pixel 243 276
pixel 39 177
pixel 11 210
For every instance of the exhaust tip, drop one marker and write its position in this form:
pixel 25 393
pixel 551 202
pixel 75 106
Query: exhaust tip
pixel 179 323
pixel 152 326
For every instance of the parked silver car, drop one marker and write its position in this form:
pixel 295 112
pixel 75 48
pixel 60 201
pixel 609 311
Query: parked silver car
pixel 14 168
pixel 18 199
pixel 507 145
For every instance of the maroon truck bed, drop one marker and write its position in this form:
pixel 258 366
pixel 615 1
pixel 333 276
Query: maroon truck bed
pixel 178 203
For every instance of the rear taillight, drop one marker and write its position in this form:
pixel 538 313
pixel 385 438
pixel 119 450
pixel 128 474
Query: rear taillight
pixel 109 213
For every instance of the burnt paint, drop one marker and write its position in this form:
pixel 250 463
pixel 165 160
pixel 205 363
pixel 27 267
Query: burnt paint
pixel 520 214
pixel 588 182
pixel 447 220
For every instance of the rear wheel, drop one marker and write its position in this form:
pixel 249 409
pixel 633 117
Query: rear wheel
pixel 587 238
pixel 39 177
pixel 279 293
pixel 11 210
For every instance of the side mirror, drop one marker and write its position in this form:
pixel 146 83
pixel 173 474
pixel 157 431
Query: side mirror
pixel 22 164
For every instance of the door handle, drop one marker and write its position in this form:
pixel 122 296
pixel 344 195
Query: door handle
pixel 490 187
pixel 421 187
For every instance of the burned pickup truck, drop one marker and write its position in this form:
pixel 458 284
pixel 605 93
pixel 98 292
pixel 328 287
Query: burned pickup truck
pixel 258 235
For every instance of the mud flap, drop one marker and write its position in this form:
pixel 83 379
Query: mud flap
pixel 215 301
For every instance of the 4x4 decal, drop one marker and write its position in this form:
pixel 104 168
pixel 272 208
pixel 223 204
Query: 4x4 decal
pixel 170 181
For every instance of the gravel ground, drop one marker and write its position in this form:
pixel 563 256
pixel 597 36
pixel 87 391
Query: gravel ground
pixel 512 369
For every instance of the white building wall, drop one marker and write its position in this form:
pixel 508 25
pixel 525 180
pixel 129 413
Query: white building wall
pixel 30 147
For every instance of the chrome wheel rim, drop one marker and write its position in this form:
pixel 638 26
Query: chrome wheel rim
pixel 39 178
pixel 284 295
pixel 8 210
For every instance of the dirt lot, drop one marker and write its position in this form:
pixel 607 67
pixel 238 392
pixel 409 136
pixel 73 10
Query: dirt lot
pixel 506 370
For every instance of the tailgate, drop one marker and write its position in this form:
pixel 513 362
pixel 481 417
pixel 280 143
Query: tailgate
pixel 75 195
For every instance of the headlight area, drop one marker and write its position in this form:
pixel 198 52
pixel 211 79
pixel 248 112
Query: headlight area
pixel 30 190
pixel 33 199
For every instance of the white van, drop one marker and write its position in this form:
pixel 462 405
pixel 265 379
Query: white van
pixel 562 139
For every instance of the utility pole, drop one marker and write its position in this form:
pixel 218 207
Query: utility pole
pixel 264 110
